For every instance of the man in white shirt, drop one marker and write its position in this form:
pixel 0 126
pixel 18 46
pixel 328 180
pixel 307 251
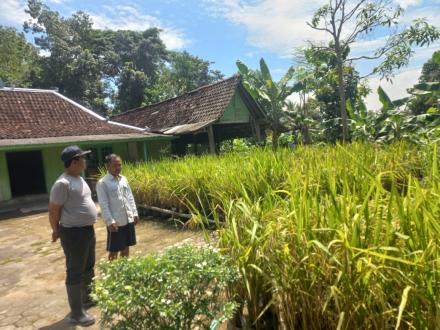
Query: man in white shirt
pixel 118 208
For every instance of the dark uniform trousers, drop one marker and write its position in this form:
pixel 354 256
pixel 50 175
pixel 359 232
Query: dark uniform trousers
pixel 79 248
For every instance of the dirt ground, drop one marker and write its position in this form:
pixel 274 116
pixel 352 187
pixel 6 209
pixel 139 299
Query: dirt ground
pixel 32 268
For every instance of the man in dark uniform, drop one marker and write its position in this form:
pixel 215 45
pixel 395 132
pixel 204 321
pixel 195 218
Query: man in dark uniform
pixel 72 214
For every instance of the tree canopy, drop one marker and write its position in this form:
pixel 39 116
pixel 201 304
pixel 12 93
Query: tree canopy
pixel 108 71
pixel 18 59
pixel 114 71
pixel 348 21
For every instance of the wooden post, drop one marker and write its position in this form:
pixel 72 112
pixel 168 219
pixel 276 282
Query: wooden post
pixel 255 128
pixel 145 150
pixel 258 132
pixel 211 140
pixel 195 148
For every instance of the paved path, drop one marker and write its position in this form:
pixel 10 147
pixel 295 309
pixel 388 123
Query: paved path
pixel 32 269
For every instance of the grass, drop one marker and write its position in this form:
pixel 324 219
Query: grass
pixel 323 237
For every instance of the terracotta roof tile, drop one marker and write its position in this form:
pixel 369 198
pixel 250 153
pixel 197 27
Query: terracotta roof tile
pixel 204 104
pixel 40 114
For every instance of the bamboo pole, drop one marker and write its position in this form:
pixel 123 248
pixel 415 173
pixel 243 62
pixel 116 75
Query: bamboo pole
pixel 172 213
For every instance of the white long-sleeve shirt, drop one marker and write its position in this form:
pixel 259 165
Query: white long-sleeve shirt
pixel 116 200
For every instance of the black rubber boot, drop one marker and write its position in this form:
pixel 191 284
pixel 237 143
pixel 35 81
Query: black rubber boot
pixel 86 287
pixel 78 315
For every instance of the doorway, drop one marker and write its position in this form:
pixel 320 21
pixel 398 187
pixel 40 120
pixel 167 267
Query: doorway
pixel 26 173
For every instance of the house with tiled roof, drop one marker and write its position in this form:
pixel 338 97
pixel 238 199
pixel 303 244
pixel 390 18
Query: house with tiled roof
pixel 205 116
pixel 35 125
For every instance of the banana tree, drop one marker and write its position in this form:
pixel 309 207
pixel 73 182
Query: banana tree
pixel 271 95
pixel 428 90
pixel 394 121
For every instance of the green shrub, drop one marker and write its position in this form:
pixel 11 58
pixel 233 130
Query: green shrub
pixel 183 288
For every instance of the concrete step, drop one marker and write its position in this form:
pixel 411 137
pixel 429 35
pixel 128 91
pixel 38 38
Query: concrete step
pixel 25 204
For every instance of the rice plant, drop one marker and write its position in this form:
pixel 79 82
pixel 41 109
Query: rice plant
pixel 339 237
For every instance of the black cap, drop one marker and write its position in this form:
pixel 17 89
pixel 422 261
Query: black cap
pixel 71 152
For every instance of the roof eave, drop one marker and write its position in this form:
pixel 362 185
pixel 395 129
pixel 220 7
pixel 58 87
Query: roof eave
pixel 31 143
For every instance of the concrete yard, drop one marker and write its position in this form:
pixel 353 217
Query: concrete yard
pixel 32 269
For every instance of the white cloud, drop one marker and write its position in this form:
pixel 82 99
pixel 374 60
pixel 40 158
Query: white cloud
pixel 44 52
pixel 431 13
pixel 396 89
pixel 58 2
pixel 275 25
pixel 174 39
pixel 124 17
pixel 423 54
pixel 12 12
pixel 407 3
pixel 295 98
pixel 372 44
pixel 280 25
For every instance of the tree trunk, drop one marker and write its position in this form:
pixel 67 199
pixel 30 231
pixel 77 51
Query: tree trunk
pixel 341 90
pixel 306 132
pixel 275 137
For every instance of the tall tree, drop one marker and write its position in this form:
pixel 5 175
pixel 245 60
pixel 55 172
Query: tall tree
pixel 132 61
pixel 18 59
pixel 131 88
pixel 424 95
pixel 110 70
pixel 431 69
pixel 181 73
pixel 348 21
pixel 84 63
pixel 322 67
pixel 69 62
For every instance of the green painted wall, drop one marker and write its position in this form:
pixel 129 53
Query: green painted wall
pixel 142 151
pixel 236 111
pixel 53 166
pixel 5 190
pixel 155 149
pixel 121 149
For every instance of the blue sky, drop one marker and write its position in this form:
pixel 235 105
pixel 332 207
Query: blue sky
pixel 223 31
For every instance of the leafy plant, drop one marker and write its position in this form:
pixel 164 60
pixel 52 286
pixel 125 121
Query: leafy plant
pixel 181 289
pixel 395 121
pixel 270 94
pixel 349 21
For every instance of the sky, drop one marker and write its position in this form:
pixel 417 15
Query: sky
pixel 224 31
